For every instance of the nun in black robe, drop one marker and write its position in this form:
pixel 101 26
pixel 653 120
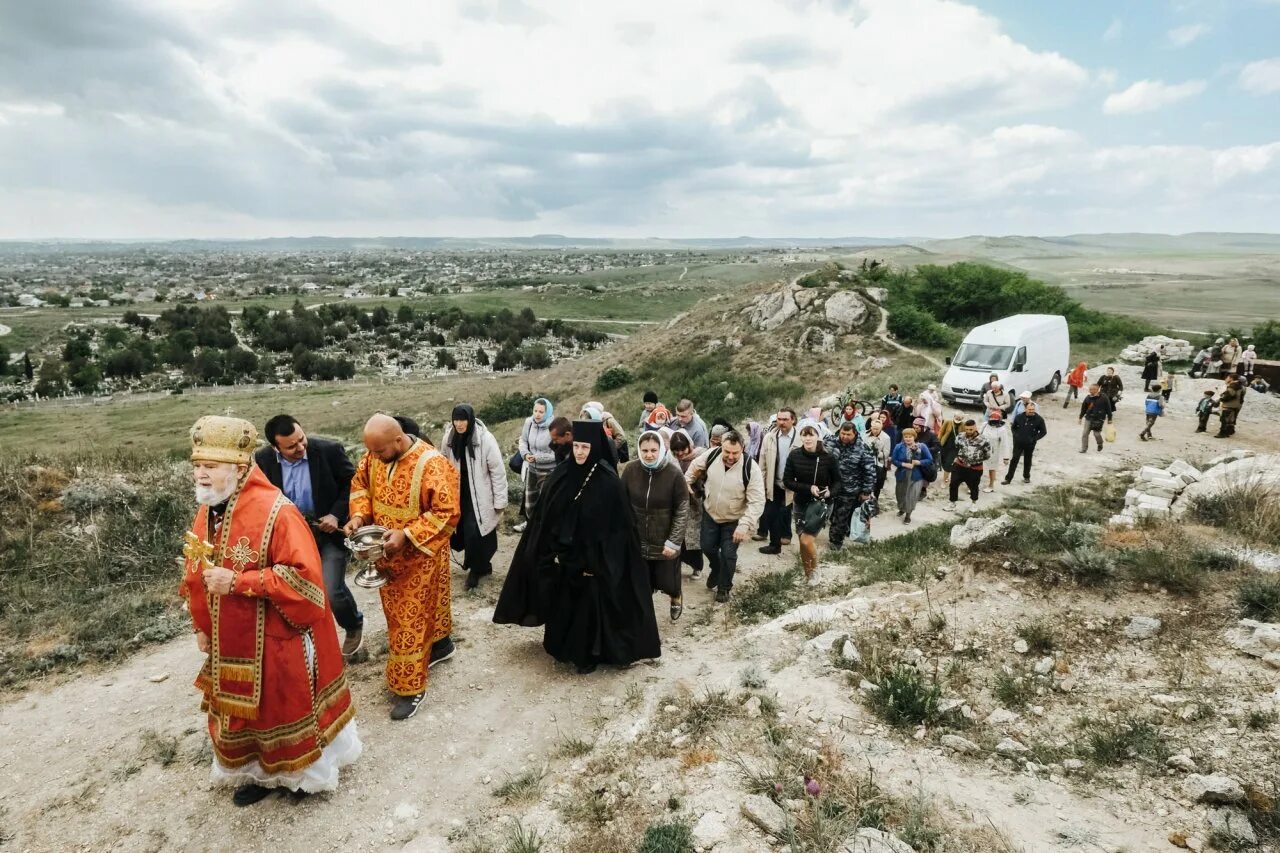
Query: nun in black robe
pixel 577 570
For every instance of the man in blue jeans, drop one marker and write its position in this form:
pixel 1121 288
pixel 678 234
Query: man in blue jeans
pixel 315 474
pixel 733 498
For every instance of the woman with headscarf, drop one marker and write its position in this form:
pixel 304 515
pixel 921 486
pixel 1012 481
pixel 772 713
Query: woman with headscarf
pixel 578 570
pixel 996 432
pixel 929 407
pixel 1150 370
pixel 482 487
pixel 683 452
pixel 538 455
pixel 755 437
pixel 595 411
pixel 660 507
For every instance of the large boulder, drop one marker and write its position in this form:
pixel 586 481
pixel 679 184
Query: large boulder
pixel 1213 789
pixel 771 310
pixel 1257 639
pixel 846 311
pixel 977 530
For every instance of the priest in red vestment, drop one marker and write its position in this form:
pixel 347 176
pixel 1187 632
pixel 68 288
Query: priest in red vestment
pixel 280 713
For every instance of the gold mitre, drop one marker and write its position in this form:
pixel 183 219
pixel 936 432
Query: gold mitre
pixel 216 438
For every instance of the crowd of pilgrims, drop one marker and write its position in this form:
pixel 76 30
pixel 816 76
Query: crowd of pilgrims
pixel 610 518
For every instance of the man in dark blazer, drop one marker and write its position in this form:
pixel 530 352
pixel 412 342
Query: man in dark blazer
pixel 315 474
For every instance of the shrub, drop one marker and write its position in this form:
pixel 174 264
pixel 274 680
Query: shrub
pixel 767 596
pixel 1089 566
pixel 614 378
pixel 1113 742
pixel 1251 509
pixel 905 698
pixel 1039 636
pixel 708 380
pixel 1012 691
pixel 914 325
pixel 1260 599
pixel 1168 569
pixel 673 837
pixel 1209 559
pixel 506 407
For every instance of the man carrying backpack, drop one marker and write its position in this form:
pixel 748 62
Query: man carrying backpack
pixel 733 491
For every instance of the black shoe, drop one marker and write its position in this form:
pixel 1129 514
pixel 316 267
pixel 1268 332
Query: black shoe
pixel 473 579
pixel 712 579
pixel 695 574
pixel 722 596
pixel 298 795
pixel 1026 481
pixel 441 651
pixel 406 706
pixel 1006 481
pixel 247 795
pixel 585 668
pixel 771 549
pixel 677 607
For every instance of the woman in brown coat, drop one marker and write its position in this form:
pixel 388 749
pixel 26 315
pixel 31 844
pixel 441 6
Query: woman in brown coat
pixel 660 507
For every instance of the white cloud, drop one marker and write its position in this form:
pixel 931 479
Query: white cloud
pixel 1114 30
pixel 1186 34
pixel 491 117
pixel 1147 95
pixel 1261 77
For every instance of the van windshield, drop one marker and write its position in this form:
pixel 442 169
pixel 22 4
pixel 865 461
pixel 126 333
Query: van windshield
pixel 983 357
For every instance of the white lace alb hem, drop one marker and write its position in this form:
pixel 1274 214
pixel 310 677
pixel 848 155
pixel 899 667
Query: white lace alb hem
pixel 320 775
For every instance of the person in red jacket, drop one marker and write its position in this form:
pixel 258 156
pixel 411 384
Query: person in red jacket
pixel 1075 381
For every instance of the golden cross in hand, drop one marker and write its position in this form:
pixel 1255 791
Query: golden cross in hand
pixel 197 552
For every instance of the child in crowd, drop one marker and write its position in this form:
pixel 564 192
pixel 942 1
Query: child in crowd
pixel 1204 410
pixel 1155 408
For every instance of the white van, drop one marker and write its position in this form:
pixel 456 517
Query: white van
pixel 1027 351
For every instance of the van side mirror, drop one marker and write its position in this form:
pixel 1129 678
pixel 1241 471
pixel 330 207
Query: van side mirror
pixel 948 361
pixel 1019 366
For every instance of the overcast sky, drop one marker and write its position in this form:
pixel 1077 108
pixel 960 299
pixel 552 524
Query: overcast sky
pixel 678 118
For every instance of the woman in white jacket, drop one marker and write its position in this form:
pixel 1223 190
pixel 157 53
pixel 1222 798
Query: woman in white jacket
pixel 538 455
pixel 473 450
pixel 997 433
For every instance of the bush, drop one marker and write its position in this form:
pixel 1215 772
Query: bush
pixel 1089 566
pixel 768 596
pixel 1013 691
pixel 1113 742
pixel 1039 636
pixel 506 407
pixel 1251 509
pixel 1168 569
pixel 913 325
pixel 614 378
pixel 708 380
pixel 675 837
pixel 1260 599
pixel 905 698
pixel 1209 559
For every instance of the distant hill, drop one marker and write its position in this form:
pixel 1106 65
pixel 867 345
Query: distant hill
pixel 1081 245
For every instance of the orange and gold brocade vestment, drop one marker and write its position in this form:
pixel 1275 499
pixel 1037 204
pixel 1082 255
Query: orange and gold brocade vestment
pixel 273 684
pixel 418 493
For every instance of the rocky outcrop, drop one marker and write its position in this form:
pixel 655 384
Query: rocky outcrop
pixel 1256 639
pixel 818 310
pixel 975 531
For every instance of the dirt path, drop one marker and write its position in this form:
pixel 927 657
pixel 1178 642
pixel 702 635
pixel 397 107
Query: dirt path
pixel 75 774
pixel 882 332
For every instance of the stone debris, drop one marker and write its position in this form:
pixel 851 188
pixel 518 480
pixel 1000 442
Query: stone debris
pixel 752 707
pixel 1010 748
pixel 977 530
pixel 1181 762
pixel 959 744
pixel 1214 789
pixel 1021 646
pixel 1001 717
pixel 1257 639
pixel 766 814
pixel 1229 825
pixel 1142 627
pixel 1170 349
pixel 710 830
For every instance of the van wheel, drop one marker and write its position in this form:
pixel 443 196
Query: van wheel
pixel 1054 383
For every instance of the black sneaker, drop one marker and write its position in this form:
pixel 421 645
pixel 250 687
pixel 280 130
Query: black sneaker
pixel 722 596
pixel 1006 481
pixel 771 549
pixel 585 668
pixel 473 579
pixel 406 706
pixel 441 651
pixel 712 580
pixel 247 795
